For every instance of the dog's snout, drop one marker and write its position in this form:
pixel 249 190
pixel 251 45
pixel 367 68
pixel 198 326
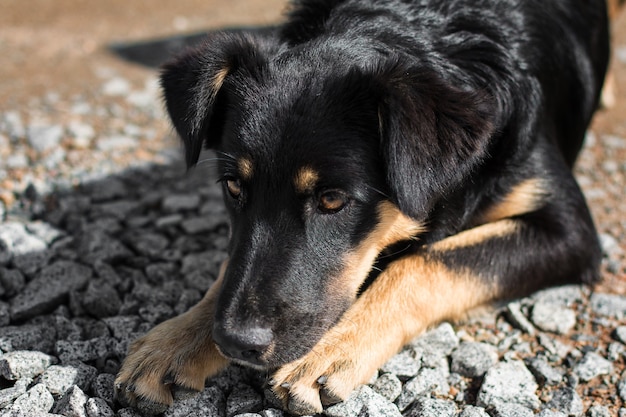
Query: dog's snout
pixel 246 344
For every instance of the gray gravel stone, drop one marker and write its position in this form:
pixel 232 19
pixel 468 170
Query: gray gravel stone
pixel 72 404
pixel 435 344
pixel 591 366
pixel 550 413
pixel 272 412
pixel 508 382
pixel 363 401
pixel 567 401
pixel 11 281
pixel 97 246
pixel 210 402
pixel 27 252
pixel 432 407
pixel 60 378
pixel 180 202
pixel 97 407
pixel 404 364
pixel 511 410
pixel 610 305
pixel 36 337
pixel 598 411
pixel 43 137
pixel 116 86
pixel 24 364
pixel 51 286
pixel 564 296
pixel 8 395
pixel 102 387
pixel 619 333
pixel 472 411
pixel 428 381
pixel 388 385
pixel 552 317
pixel 13 125
pixel 544 373
pixel 243 399
pixel 472 359
pixel 35 400
pixel 518 319
pixel 101 299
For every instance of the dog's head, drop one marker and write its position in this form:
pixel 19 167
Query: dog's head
pixel 325 159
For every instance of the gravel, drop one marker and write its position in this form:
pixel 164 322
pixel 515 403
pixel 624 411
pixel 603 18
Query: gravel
pixel 103 235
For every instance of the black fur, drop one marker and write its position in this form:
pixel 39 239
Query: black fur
pixel 440 107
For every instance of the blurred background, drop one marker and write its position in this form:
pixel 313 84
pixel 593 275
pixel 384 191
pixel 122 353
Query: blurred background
pixel 74 108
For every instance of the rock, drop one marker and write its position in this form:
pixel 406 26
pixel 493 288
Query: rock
pixel 550 413
pixel 27 251
pixel 96 246
pixel 619 333
pixel 60 378
pixel 97 407
pixel 508 382
pixel 427 381
pixel 436 344
pixel 551 317
pixel 46 291
pixel 621 388
pixel 198 225
pixel 564 296
pixel 272 412
pixel 103 387
pixel 43 137
pixel 615 351
pixel 24 364
pixel 473 359
pixel 243 399
pixel 180 202
pixel 511 410
pixel 27 337
pixel 472 411
pixel 72 403
pixel 101 299
pixel 106 189
pixel 566 401
pixel 598 411
pixel 610 305
pixel 116 86
pixel 363 401
pixel 36 400
pixel 8 395
pixel 518 319
pixel 432 407
pixel 13 125
pixel 591 366
pixel 116 143
pixel 210 402
pixel 11 281
pixel 404 364
pixel 388 385
pixel 543 372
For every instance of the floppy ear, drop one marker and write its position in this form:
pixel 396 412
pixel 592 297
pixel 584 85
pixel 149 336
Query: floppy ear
pixel 192 84
pixel 433 135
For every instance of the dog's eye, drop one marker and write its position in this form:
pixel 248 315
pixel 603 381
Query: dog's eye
pixel 234 188
pixel 331 202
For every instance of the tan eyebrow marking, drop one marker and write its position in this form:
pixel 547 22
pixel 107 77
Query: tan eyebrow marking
pixel 245 167
pixel 305 179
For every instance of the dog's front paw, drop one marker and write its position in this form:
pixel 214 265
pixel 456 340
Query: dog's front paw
pixel 171 362
pixel 324 376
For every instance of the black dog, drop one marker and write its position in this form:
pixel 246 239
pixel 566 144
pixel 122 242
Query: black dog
pixel 386 164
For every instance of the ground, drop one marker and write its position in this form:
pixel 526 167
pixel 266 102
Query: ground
pixel 59 69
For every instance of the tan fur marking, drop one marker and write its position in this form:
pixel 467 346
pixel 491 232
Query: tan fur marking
pixel 181 346
pixel 246 168
pixel 477 235
pixel 412 294
pixel 393 226
pixel 219 78
pixel 305 180
pixel 525 197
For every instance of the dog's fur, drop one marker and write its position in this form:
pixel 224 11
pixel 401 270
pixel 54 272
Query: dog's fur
pixel 386 164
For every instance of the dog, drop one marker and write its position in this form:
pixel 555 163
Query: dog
pixel 386 165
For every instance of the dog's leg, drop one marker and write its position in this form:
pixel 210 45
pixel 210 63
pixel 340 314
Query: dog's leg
pixel 173 359
pixel 440 282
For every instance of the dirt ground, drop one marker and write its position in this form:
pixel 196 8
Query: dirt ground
pixel 60 46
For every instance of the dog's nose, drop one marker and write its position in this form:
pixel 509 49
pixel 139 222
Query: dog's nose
pixel 246 344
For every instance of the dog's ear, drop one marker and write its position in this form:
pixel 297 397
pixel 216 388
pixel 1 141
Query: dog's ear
pixel 192 84
pixel 433 135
